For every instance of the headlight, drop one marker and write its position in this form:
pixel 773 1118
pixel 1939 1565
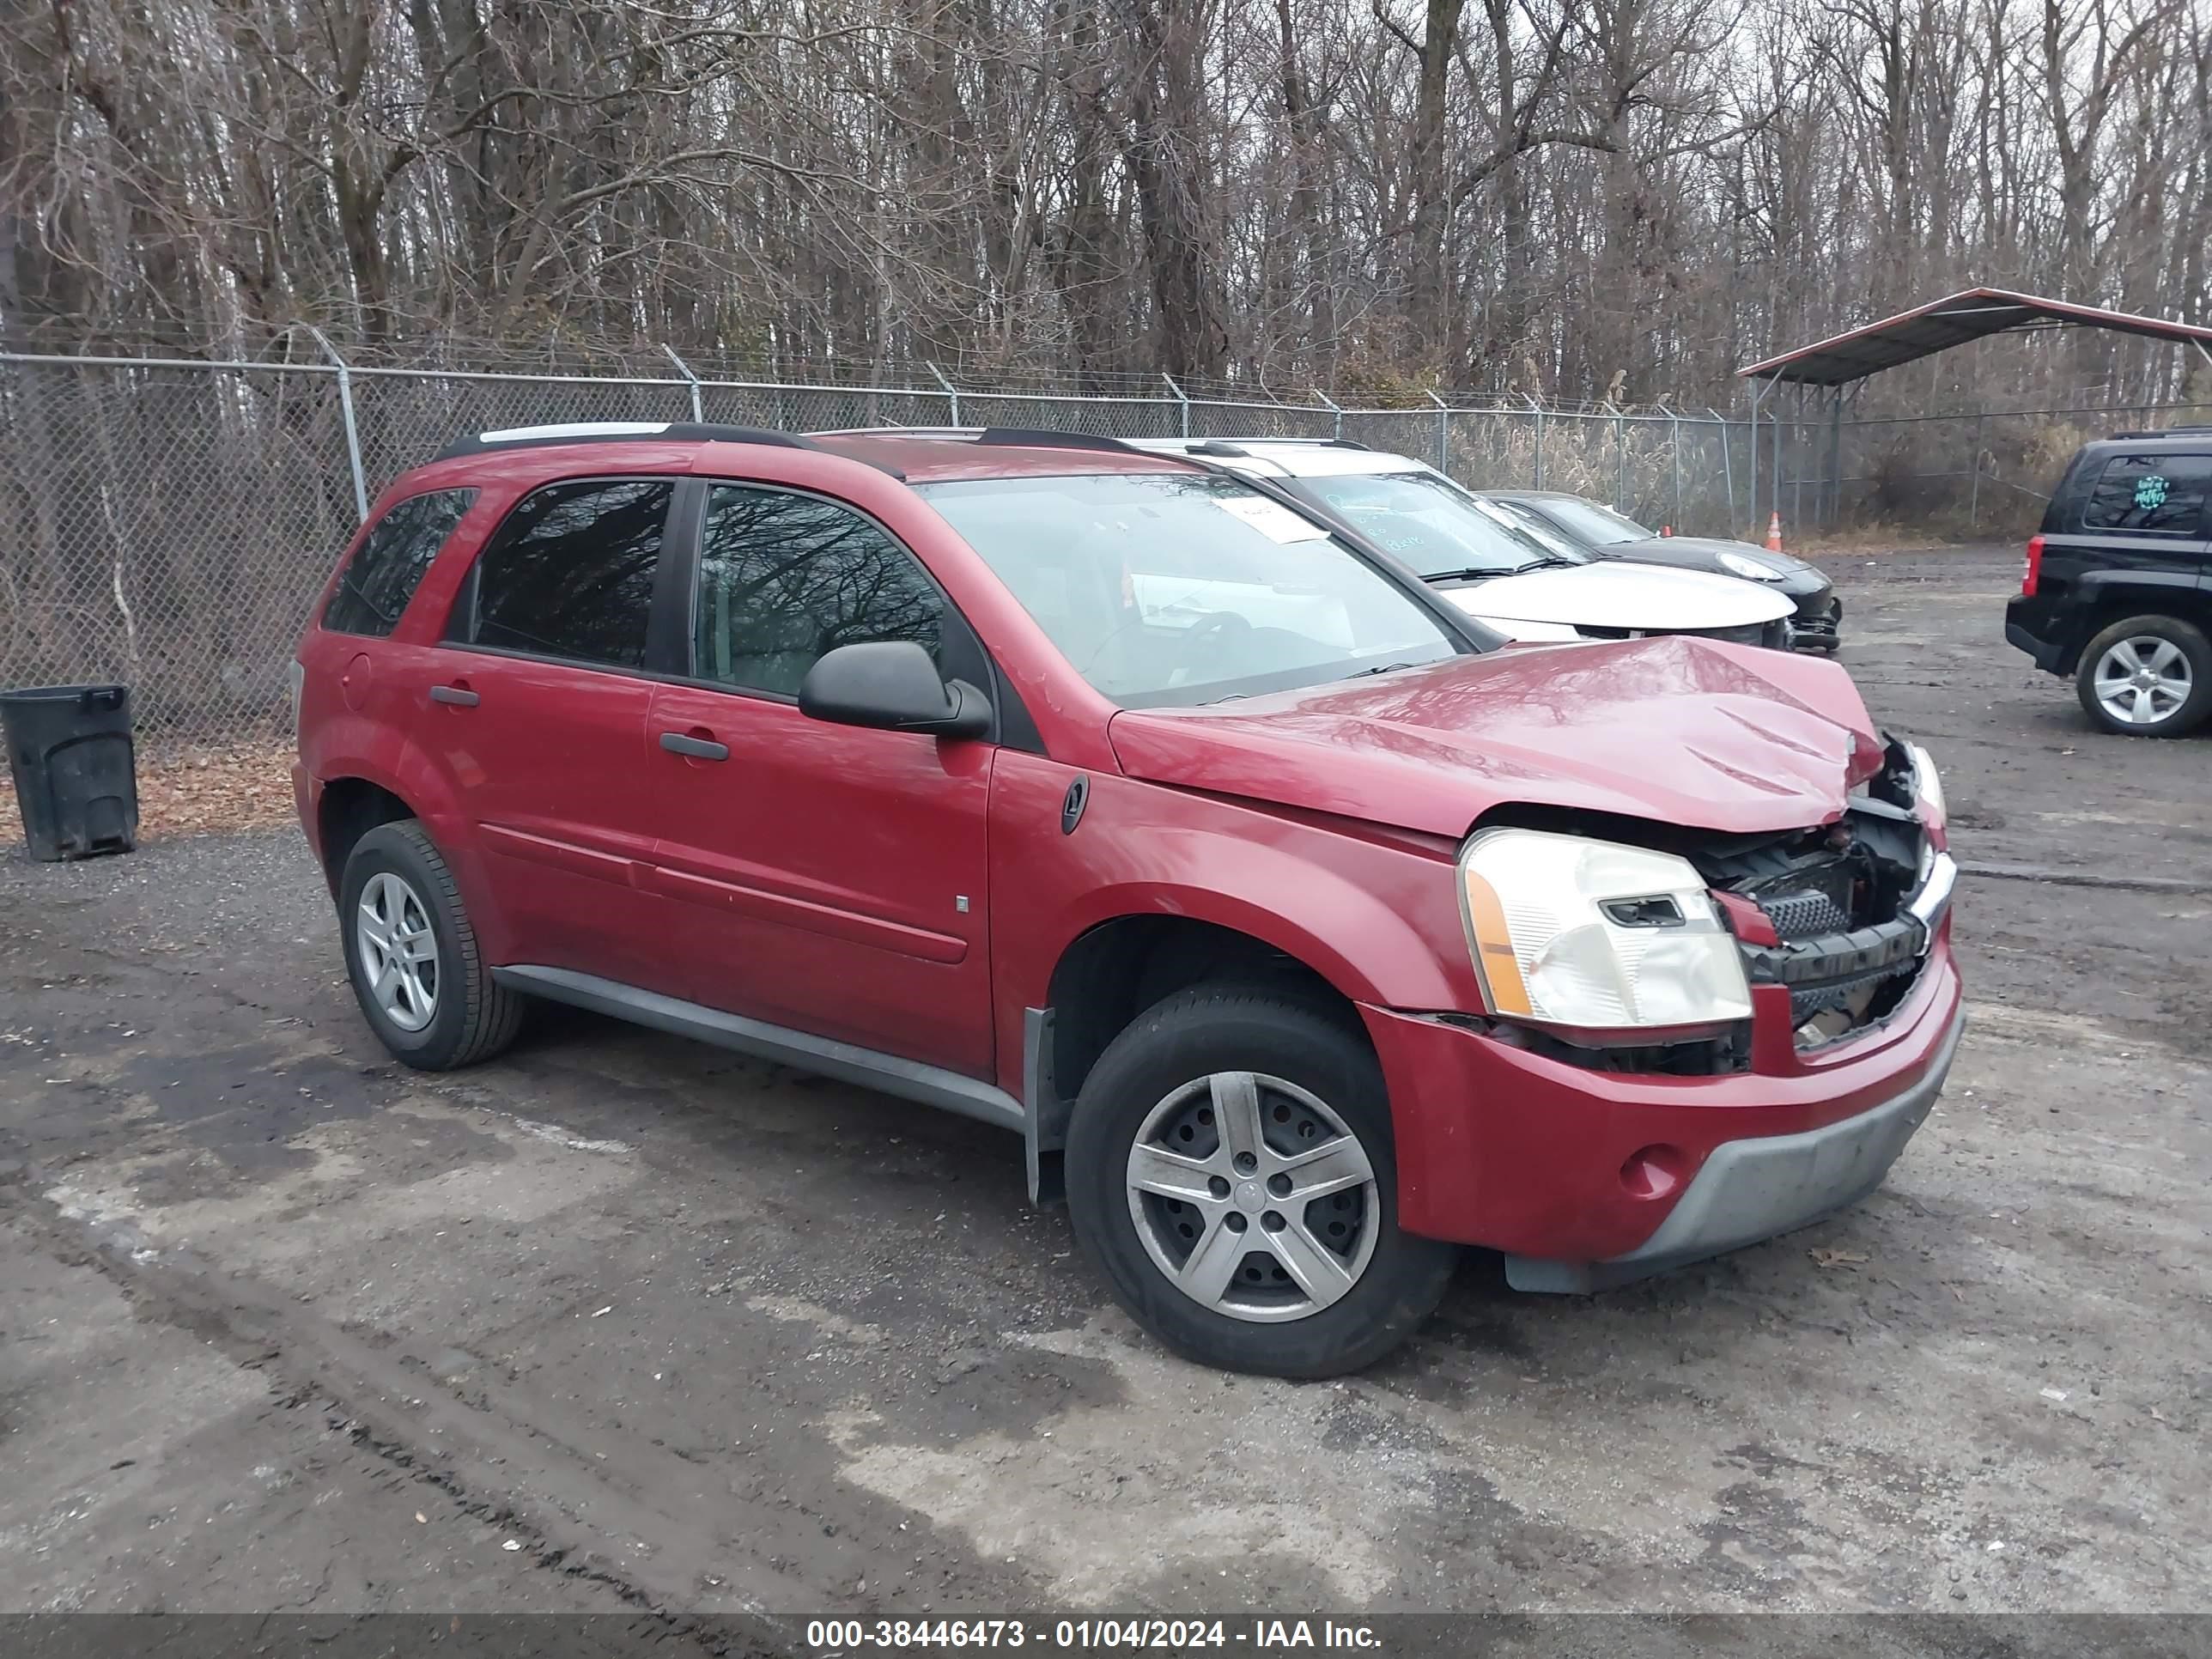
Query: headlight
pixel 1567 931
pixel 1927 787
pixel 1750 569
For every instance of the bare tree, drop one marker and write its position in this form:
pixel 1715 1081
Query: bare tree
pixel 1590 197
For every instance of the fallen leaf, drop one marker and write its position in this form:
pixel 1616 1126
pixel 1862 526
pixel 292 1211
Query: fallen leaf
pixel 1838 1258
pixel 185 791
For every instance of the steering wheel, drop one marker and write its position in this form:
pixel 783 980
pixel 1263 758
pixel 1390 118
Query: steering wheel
pixel 1216 628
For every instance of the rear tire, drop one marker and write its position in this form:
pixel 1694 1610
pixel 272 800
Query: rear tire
pixel 1230 1173
pixel 2146 677
pixel 412 955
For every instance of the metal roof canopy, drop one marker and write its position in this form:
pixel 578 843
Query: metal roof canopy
pixel 1954 321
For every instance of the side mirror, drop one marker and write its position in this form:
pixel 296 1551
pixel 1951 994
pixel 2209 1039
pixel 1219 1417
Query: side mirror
pixel 892 685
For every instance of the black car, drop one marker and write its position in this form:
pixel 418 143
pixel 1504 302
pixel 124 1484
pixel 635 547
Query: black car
pixel 2118 591
pixel 1599 530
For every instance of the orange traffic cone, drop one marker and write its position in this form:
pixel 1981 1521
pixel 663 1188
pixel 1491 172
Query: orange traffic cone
pixel 1774 532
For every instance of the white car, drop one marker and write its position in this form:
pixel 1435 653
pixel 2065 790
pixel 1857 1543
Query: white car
pixel 1487 562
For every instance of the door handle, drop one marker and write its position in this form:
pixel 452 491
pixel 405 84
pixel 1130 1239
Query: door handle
pixel 459 696
pixel 677 743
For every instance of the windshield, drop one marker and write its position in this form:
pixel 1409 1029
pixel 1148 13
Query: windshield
pixel 1166 589
pixel 1601 526
pixel 1535 525
pixel 1434 525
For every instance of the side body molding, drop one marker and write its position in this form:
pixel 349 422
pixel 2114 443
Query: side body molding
pixel 931 1086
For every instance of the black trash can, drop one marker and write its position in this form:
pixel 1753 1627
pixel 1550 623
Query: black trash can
pixel 77 774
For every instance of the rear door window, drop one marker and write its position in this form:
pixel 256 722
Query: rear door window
pixel 2151 494
pixel 392 560
pixel 570 573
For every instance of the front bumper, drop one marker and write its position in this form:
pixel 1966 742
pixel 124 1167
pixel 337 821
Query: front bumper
pixel 1751 1190
pixel 1819 623
pixel 1550 1162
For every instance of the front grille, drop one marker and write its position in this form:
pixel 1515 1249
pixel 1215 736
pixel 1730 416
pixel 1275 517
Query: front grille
pixel 1850 948
pixel 1804 915
pixel 1819 607
pixel 1860 975
pixel 1839 995
pixel 1818 619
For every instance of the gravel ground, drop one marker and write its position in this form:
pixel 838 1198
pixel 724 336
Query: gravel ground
pixel 623 1324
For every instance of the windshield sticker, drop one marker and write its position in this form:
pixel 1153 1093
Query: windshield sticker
pixel 1271 519
pixel 2150 492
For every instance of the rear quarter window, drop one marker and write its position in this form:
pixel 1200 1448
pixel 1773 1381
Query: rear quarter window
pixel 380 579
pixel 2153 495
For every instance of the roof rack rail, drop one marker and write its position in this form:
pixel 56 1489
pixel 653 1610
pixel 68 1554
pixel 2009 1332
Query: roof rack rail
pixel 1324 443
pixel 602 432
pixel 2161 432
pixel 939 432
pixel 1040 437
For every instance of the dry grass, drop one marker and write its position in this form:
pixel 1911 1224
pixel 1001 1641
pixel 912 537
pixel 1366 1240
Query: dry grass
pixel 195 791
pixel 1881 537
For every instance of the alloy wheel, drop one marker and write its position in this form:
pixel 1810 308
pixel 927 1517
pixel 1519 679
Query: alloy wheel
pixel 2143 680
pixel 397 950
pixel 1253 1197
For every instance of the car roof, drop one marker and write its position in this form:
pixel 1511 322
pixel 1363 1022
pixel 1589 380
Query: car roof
pixel 1532 494
pixel 1287 457
pixel 914 456
pixel 2171 439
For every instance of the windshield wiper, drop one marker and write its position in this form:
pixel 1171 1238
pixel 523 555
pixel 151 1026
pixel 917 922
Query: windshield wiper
pixel 1549 561
pixel 1472 574
pixel 1380 668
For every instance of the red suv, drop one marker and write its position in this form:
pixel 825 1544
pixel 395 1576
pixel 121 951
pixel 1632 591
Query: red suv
pixel 1301 932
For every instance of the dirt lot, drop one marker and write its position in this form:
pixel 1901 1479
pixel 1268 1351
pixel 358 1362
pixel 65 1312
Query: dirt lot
pixel 621 1323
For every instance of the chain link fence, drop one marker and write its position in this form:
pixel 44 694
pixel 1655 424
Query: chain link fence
pixel 1987 475
pixel 166 523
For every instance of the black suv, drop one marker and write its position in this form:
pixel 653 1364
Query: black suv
pixel 2118 591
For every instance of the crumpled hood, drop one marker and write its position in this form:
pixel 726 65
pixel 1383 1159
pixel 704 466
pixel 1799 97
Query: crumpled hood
pixel 1622 596
pixel 1678 730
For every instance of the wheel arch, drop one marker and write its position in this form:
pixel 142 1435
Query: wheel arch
pixel 374 771
pixel 349 807
pixel 1114 970
pixel 2110 601
pixel 1133 958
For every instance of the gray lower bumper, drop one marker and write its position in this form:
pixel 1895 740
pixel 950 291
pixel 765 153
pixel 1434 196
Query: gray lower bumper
pixel 1756 1189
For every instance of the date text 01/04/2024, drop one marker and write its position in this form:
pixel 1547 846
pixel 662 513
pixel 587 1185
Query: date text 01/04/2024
pixel 1258 1635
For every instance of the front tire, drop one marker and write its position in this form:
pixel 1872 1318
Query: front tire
pixel 1230 1173
pixel 2146 677
pixel 412 956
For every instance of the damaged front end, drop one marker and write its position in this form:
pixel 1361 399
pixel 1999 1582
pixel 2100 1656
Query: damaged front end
pixel 1841 915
